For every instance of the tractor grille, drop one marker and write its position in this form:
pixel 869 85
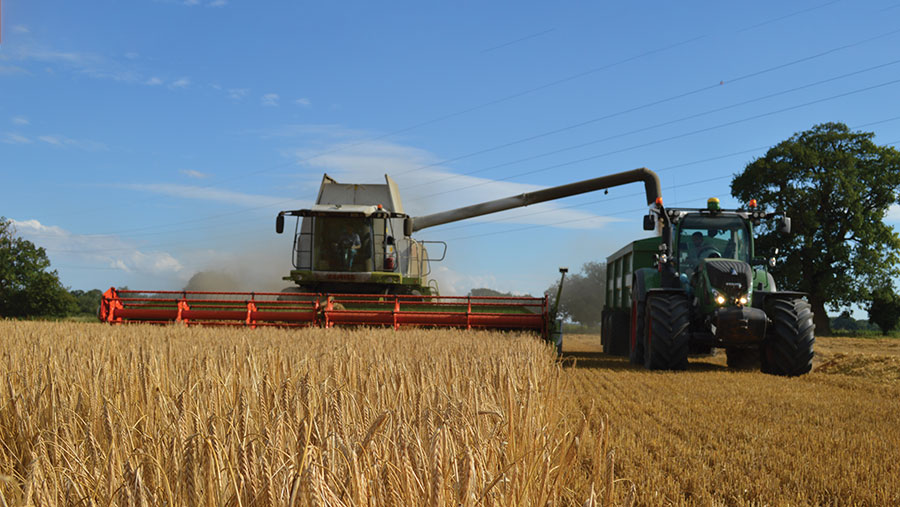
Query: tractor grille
pixel 730 276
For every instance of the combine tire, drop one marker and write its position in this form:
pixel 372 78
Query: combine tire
pixel 666 332
pixel 636 343
pixel 788 347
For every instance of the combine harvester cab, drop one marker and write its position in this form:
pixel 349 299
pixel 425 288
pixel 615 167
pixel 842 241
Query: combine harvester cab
pixel 699 286
pixel 351 242
pixel 356 263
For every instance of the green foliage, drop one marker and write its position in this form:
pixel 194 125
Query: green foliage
pixel 582 295
pixel 845 324
pixel 884 310
pixel 837 186
pixel 27 287
pixel 87 302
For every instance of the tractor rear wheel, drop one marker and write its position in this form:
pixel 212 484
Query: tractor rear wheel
pixel 788 347
pixel 666 332
pixel 636 343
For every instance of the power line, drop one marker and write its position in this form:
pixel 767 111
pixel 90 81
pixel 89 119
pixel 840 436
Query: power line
pixel 804 11
pixel 670 138
pixel 660 170
pixel 538 34
pixel 646 106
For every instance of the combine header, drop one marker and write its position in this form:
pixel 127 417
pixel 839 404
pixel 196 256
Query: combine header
pixel 356 263
pixel 309 309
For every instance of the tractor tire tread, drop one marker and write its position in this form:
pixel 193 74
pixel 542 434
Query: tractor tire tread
pixel 788 347
pixel 668 336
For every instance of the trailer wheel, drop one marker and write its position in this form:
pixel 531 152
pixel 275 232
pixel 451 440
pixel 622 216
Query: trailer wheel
pixel 636 344
pixel 604 331
pixel 666 332
pixel 788 346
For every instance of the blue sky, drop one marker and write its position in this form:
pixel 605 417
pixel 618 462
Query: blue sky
pixel 143 141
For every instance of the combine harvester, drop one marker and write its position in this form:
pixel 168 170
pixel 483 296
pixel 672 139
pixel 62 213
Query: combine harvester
pixel 356 263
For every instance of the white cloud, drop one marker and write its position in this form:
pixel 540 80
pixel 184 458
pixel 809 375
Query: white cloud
pixel 893 213
pixel 427 187
pixel 65 142
pixel 131 55
pixel 89 64
pixel 237 93
pixel 312 133
pixel 11 138
pixel 101 250
pixel 9 70
pixel 218 3
pixel 153 81
pixel 210 194
pixel 194 174
pixel 55 141
pixel 270 99
pixel 20 120
pixel 20 29
pixel 302 102
pixel 180 83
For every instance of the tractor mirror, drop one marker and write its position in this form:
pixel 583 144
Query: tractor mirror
pixel 784 225
pixel 279 224
pixel 649 222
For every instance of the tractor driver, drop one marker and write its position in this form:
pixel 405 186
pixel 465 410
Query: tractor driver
pixel 695 248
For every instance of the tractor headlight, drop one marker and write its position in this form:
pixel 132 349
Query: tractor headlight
pixel 742 300
pixel 720 299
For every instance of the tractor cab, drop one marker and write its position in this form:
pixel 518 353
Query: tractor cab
pixel 706 236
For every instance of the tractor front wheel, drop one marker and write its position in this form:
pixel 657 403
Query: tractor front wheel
pixel 788 347
pixel 666 332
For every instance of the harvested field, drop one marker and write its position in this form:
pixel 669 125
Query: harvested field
pixel 713 436
pixel 174 415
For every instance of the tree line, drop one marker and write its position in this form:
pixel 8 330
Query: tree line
pixel 29 288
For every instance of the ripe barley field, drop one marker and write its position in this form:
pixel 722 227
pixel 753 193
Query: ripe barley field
pixel 151 415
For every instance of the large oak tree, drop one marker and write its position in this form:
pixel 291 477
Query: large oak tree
pixel 837 187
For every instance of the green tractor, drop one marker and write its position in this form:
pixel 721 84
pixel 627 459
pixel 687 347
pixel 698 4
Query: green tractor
pixel 699 286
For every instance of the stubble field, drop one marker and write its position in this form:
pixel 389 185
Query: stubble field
pixel 183 416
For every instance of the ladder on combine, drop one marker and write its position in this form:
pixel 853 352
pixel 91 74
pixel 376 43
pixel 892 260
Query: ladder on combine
pixel 253 309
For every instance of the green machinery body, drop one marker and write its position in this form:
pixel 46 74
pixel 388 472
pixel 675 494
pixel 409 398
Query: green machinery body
pixel 699 285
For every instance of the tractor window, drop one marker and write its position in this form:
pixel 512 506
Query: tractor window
pixel 342 244
pixel 703 236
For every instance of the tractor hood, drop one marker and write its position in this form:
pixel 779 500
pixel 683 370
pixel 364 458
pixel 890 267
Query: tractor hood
pixel 728 276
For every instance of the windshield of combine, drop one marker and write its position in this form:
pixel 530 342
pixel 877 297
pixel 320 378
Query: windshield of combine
pixel 343 244
pixel 704 236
